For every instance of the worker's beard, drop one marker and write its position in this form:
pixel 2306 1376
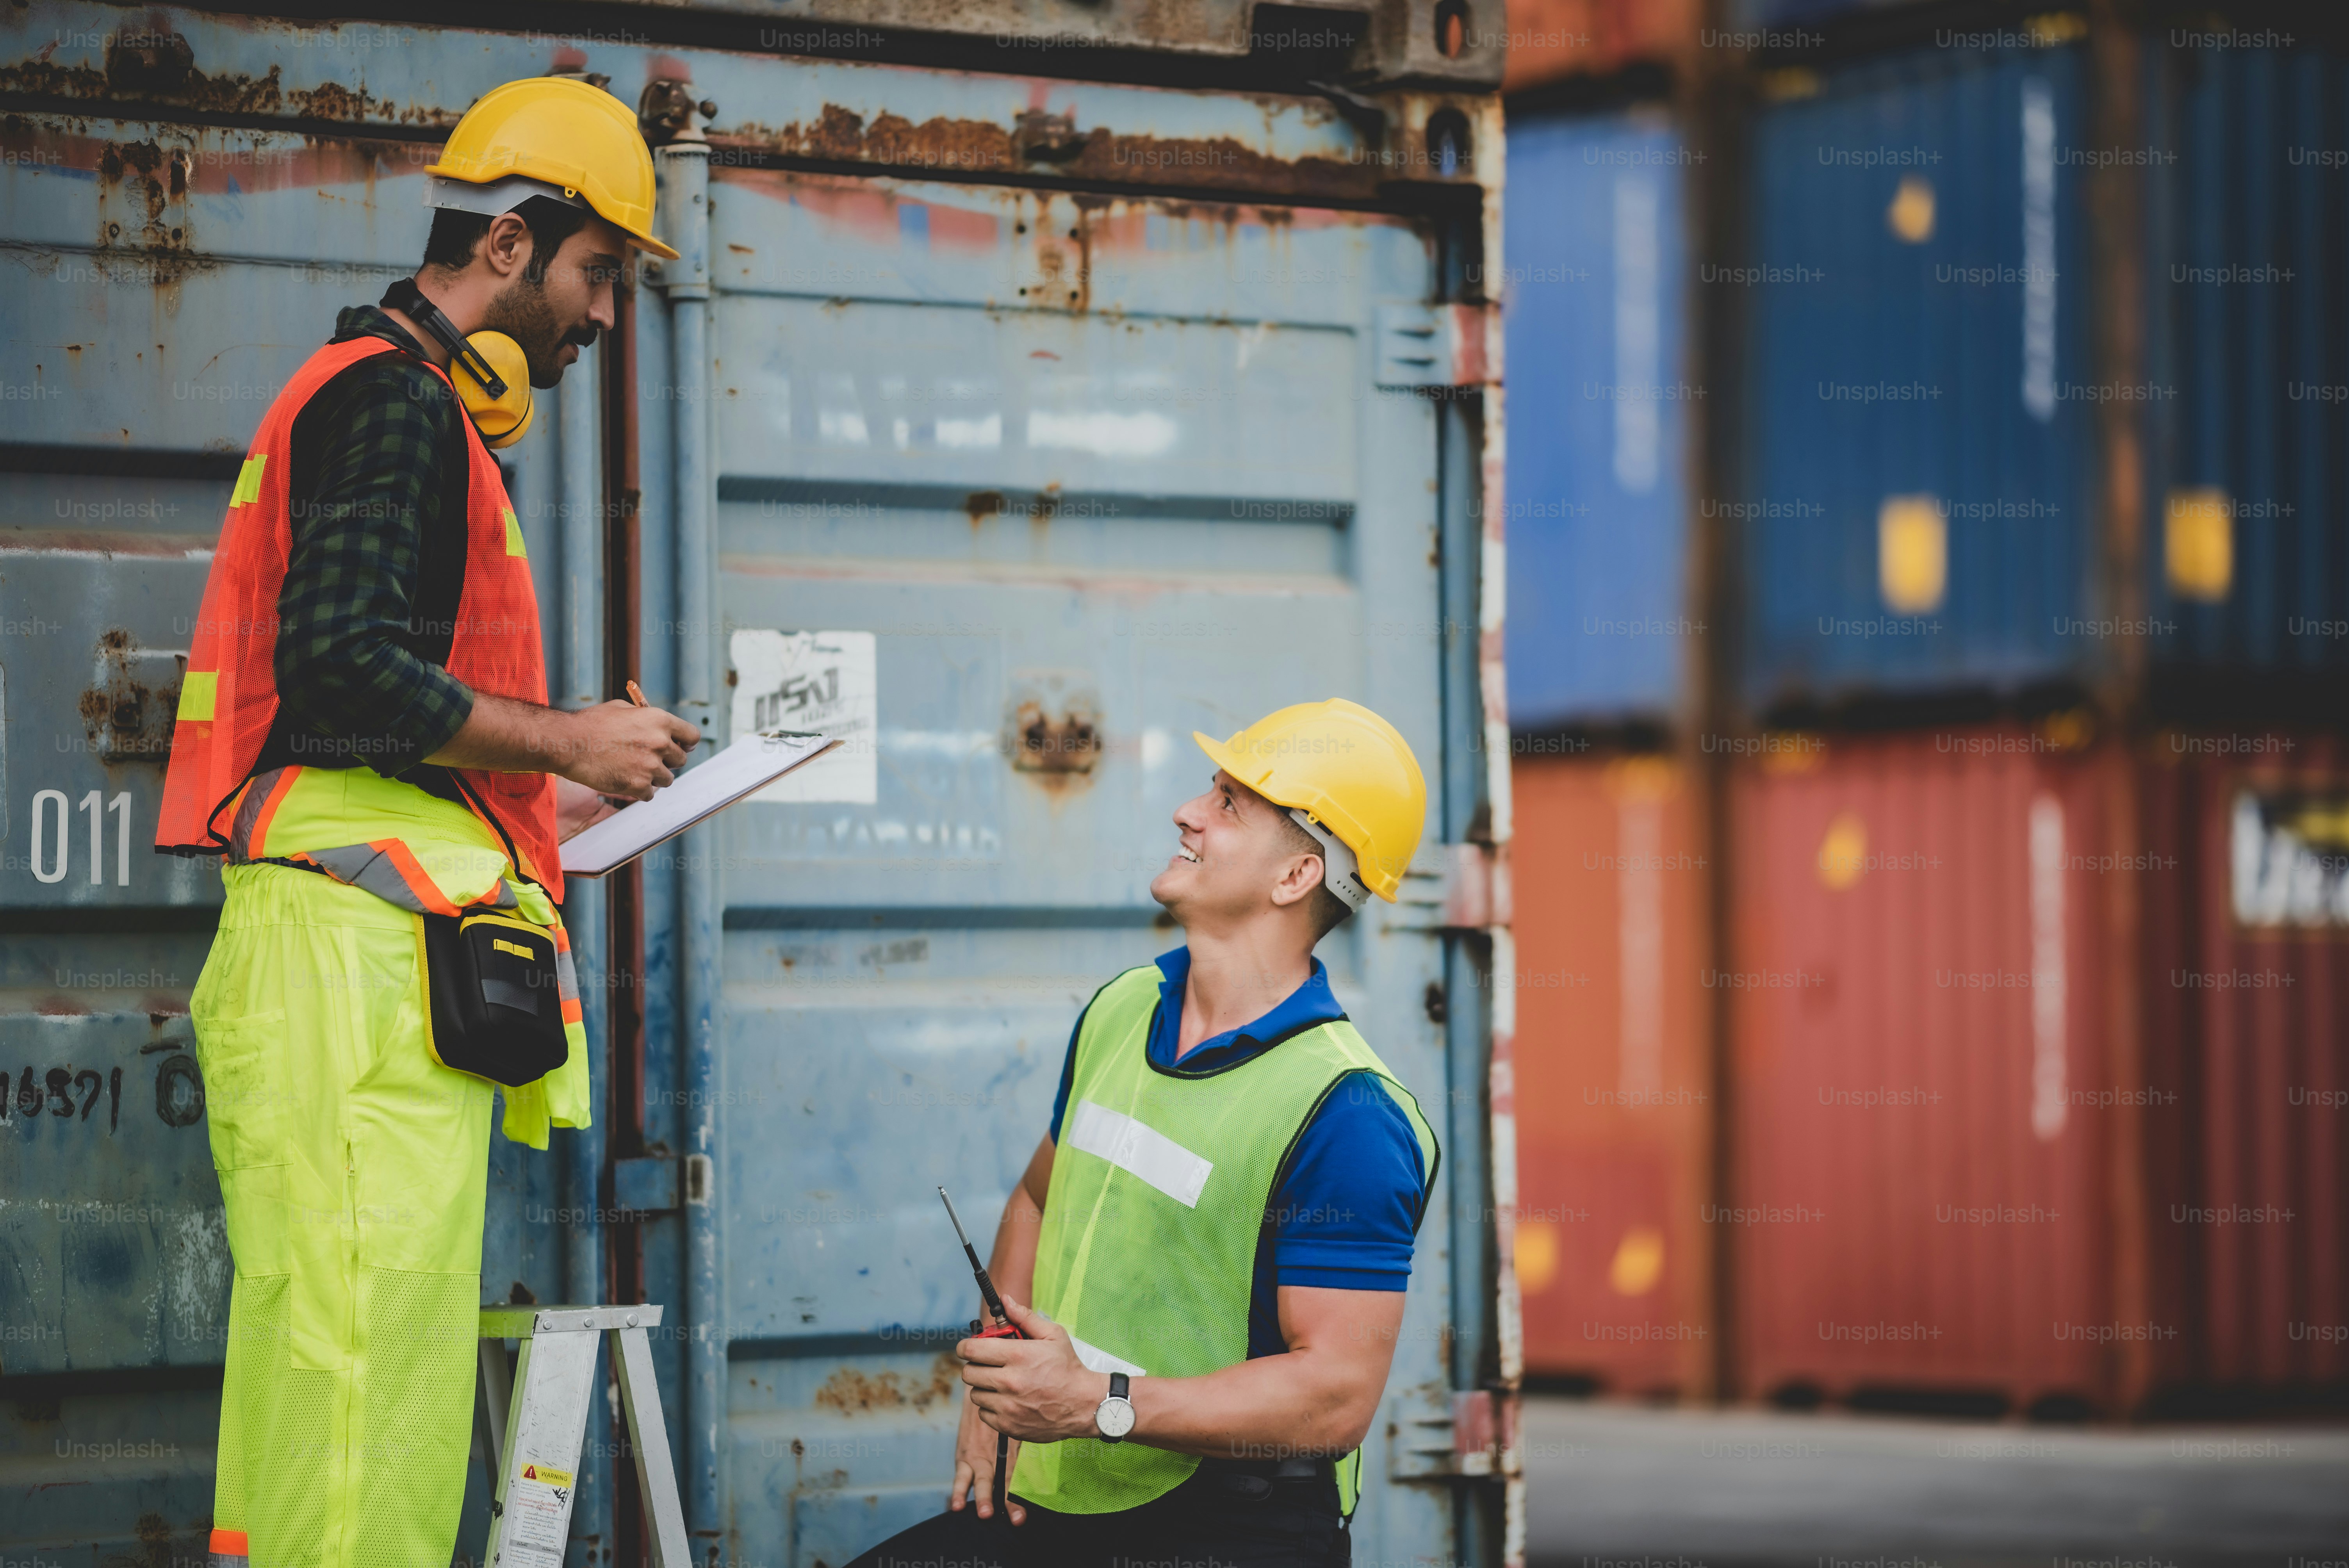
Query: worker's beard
pixel 525 314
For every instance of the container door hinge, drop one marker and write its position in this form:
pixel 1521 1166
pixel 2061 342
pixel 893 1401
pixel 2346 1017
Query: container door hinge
pixel 1475 887
pixel 1423 344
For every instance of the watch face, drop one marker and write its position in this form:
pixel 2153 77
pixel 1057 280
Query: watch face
pixel 1115 1418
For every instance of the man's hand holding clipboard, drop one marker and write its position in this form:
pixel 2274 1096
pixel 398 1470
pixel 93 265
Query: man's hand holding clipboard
pixel 750 764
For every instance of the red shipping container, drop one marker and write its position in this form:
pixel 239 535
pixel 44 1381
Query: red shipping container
pixel 1614 1109
pixel 2246 988
pixel 1551 39
pixel 1921 1122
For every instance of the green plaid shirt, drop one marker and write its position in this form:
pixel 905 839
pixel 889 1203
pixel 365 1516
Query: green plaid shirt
pixel 371 463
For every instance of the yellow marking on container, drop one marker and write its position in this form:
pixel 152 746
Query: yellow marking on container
pixel 1536 1255
pixel 2199 544
pixel 1638 1261
pixel 1911 215
pixel 1912 553
pixel 1843 853
pixel 516 948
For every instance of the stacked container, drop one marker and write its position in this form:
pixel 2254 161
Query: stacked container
pixel 1917 521
pixel 1594 291
pixel 1614 1109
pixel 1920 1129
pixel 2246 1007
pixel 2248 346
pixel 1613 1084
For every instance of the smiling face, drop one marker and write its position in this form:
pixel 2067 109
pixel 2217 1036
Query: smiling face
pixel 1235 860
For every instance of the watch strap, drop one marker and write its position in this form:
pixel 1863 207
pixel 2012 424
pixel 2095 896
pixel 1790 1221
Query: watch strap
pixel 1118 1385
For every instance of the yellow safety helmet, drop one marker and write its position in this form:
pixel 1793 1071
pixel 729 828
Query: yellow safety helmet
pixel 1345 775
pixel 553 131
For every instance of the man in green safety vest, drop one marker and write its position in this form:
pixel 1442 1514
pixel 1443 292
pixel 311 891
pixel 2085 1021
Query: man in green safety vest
pixel 1208 1252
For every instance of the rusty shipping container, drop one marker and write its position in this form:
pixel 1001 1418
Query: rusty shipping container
pixel 1614 1102
pixel 1921 1125
pixel 2245 981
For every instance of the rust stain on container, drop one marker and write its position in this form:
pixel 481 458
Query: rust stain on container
pixel 1614 1109
pixel 161 68
pixel 130 712
pixel 838 134
pixel 1921 1192
pixel 853 1392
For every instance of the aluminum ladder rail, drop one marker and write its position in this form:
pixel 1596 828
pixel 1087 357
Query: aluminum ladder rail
pixel 535 1432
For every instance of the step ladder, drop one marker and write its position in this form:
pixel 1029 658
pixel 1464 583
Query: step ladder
pixel 537 1420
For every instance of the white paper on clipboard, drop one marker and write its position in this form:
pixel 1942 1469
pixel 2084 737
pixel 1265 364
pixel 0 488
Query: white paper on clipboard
pixel 750 764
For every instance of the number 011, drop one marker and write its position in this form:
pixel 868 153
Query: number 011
pixel 47 868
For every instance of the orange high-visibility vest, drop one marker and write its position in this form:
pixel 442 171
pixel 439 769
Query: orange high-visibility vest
pixel 229 698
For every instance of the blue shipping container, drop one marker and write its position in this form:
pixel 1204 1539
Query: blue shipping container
pixel 1918 439
pixel 2247 532
pixel 1595 300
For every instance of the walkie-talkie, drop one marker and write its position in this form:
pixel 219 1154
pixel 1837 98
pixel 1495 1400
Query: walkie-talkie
pixel 1003 1328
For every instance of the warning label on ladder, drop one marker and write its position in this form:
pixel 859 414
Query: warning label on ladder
pixel 537 1523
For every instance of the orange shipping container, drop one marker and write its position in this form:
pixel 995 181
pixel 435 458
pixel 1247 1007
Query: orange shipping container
pixel 1922 1116
pixel 1553 39
pixel 1614 1107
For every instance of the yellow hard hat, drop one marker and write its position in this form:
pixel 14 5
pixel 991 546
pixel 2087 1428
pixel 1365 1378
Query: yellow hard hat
pixel 1347 769
pixel 563 132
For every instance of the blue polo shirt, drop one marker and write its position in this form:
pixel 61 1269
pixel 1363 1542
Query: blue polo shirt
pixel 1346 1212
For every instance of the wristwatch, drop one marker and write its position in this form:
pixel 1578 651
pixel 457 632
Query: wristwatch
pixel 1114 1417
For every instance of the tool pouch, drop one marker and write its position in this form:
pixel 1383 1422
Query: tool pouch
pixel 497 998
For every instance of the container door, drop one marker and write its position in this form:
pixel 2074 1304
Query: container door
pixel 1016 490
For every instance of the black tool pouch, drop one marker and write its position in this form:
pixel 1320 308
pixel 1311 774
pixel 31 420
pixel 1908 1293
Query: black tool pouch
pixel 497 998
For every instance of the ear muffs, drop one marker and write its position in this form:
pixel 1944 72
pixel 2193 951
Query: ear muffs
pixel 499 403
pixel 489 369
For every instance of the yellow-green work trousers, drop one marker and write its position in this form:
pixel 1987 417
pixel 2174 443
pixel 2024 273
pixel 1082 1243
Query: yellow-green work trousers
pixel 353 1166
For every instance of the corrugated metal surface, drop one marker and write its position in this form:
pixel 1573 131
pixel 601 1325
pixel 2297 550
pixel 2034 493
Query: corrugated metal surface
pixel 1920 1142
pixel 1120 466
pixel 2246 983
pixel 1596 311
pixel 1918 417
pixel 1615 1105
pixel 2246 536
pixel 1551 40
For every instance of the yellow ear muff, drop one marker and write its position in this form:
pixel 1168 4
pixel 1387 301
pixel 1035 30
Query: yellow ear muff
pixel 501 420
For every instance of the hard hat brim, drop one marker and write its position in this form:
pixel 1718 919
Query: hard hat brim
pixel 637 237
pixel 1221 755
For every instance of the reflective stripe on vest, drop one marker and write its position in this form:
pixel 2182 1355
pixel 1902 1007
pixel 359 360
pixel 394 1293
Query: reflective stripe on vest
pixel 228 700
pixel 421 852
pixel 1160 1193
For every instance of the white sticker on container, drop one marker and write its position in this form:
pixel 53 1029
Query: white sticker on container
pixel 824 681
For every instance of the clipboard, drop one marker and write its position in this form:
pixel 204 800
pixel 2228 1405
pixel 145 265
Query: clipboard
pixel 750 764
